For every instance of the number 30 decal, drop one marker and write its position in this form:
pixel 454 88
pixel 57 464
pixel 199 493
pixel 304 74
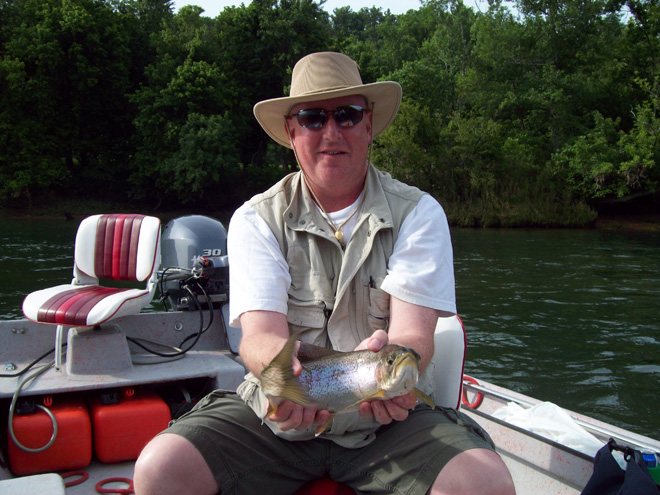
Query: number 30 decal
pixel 211 252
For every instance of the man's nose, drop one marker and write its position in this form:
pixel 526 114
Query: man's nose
pixel 331 129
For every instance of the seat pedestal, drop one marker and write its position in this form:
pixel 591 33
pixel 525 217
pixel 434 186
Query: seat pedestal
pixel 97 350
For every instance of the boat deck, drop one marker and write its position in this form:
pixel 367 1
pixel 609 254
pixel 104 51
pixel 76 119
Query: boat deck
pixel 100 360
pixel 538 464
pixel 103 361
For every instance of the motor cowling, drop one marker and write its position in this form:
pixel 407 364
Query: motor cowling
pixel 194 259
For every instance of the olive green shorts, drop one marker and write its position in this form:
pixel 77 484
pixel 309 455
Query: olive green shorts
pixel 246 457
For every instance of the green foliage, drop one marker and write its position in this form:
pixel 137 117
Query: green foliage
pixel 508 118
pixel 401 149
pixel 608 162
pixel 64 74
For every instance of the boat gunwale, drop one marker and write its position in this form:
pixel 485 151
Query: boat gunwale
pixel 529 433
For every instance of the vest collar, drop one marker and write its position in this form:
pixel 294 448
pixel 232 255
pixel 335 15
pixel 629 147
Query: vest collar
pixel 302 213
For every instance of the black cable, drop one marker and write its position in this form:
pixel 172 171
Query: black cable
pixel 183 351
pixel 29 366
pixel 163 277
pixel 211 313
pixel 196 336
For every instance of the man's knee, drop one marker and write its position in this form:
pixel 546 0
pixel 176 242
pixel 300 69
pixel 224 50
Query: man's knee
pixel 474 471
pixel 170 464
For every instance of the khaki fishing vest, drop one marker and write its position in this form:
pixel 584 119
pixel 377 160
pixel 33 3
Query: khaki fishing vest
pixel 335 298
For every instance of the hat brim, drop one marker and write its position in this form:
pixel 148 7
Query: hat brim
pixel 383 96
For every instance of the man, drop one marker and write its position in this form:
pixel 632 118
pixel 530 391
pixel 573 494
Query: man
pixel 352 259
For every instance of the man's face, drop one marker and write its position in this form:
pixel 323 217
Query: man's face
pixel 334 158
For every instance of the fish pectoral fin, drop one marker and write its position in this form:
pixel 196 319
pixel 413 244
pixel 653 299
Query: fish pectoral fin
pixel 424 398
pixel 378 395
pixel 322 427
pixel 272 409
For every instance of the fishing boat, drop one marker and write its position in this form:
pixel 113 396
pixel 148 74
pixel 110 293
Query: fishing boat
pixel 89 376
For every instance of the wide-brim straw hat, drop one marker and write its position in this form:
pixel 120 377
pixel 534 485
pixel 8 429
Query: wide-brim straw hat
pixel 324 75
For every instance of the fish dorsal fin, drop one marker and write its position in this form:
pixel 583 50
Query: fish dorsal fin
pixel 309 351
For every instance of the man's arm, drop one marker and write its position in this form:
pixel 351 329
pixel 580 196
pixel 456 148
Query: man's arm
pixel 414 326
pixel 411 326
pixel 264 335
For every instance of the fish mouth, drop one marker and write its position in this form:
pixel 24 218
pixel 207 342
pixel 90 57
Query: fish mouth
pixel 404 363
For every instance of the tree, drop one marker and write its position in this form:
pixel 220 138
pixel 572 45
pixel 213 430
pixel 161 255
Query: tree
pixel 65 75
pixel 184 89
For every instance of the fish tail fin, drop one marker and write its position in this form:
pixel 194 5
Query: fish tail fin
pixel 278 378
pixel 284 358
pixel 424 398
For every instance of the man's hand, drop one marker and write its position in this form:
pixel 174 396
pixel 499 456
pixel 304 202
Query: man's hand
pixel 385 411
pixel 291 416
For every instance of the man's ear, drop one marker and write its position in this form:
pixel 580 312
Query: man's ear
pixel 289 131
pixel 370 122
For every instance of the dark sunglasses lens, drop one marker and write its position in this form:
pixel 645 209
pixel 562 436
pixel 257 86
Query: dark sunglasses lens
pixel 313 118
pixel 348 116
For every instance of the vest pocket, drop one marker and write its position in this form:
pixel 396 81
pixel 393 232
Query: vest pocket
pixel 310 321
pixel 378 314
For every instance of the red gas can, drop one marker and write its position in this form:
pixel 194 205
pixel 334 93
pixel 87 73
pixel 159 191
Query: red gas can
pixel 72 448
pixel 122 429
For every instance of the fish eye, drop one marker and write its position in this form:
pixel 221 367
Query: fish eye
pixel 390 359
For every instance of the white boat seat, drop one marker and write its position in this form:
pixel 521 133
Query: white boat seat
pixel 111 247
pixel 449 361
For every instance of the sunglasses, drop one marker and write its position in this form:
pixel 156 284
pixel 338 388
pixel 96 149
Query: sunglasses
pixel 315 118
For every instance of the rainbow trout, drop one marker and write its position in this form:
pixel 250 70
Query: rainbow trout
pixel 340 381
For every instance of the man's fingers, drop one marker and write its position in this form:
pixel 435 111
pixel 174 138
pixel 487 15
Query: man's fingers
pixel 291 416
pixel 374 342
pixel 377 340
pixel 386 411
pixel 381 413
pixel 297 367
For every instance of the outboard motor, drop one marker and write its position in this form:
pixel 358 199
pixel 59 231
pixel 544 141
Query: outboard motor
pixel 194 265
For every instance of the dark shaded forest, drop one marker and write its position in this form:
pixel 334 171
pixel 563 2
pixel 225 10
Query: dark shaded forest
pixel 532 113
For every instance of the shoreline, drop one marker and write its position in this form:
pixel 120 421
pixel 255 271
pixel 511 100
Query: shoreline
pixel 647 222
pixel 641 222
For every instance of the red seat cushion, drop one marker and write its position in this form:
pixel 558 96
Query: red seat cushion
pixel 71 307
pixel 325 486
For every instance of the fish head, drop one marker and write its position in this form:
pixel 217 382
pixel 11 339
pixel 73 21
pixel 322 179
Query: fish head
pixel 398 370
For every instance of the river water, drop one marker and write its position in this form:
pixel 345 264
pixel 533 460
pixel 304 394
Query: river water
pixel 568 316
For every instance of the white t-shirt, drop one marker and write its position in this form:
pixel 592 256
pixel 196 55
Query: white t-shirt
pixel 420 270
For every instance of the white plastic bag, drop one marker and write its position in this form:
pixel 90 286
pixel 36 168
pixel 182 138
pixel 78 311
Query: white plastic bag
pixel 553 422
